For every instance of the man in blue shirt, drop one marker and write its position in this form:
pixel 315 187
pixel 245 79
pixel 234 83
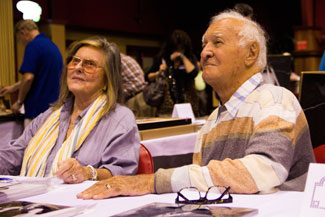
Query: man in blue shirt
pixel 41 68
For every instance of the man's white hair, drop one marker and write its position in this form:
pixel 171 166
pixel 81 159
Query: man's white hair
pixel 250 32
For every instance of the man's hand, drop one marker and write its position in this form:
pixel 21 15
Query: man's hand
pixel 15 108
pixel 120 185
pixel 71 171
pixel 8 89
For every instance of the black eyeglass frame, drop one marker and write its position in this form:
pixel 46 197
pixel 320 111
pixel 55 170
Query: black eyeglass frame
pixel 204 200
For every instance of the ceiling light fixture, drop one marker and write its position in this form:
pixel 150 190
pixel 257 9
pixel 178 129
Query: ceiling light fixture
pixel 31 10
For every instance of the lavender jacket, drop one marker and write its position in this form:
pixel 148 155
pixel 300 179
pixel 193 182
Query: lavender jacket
pixel 114 142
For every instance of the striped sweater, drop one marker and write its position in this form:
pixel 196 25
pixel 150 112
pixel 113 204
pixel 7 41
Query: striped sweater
pixel 256 141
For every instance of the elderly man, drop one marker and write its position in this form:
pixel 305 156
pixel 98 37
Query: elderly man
pixel 256 140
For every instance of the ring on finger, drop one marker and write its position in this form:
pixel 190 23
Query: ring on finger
pixel 74 178
pixel 108 186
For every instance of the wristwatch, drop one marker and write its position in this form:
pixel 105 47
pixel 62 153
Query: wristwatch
pixel 19 102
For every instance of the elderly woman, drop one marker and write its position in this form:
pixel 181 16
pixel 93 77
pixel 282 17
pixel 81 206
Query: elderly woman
pixel 86 134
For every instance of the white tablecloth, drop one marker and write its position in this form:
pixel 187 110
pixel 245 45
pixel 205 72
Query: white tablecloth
pixel 171 145
pixel 171 151
pixel 279 204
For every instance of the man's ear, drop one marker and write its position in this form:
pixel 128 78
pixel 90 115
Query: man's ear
pixel 22 32
pixel 253 54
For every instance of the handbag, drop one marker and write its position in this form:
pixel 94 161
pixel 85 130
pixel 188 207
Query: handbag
pixel 153 93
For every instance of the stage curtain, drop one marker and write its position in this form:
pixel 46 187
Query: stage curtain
pixel 7 49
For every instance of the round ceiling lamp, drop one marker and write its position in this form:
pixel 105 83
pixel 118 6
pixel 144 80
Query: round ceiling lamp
pixel 31 10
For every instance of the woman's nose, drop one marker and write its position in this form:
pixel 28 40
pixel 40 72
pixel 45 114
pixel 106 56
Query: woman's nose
pixel 79 66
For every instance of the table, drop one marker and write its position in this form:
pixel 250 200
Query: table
pixel 278 204
pixel 171 151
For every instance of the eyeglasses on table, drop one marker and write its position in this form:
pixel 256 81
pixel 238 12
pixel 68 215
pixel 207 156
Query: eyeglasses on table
pixel 214 195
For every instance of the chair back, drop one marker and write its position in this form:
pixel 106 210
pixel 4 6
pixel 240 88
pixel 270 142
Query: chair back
pixel 145 161
pixel 320 154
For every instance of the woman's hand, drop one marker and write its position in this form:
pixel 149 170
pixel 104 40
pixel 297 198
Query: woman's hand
pixel 162 68
pixel 176 55
pixel 152 75
pixel 71 171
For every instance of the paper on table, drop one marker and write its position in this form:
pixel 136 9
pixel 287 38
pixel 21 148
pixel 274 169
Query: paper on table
pixel 26 209
pixel 314 194
pixel 21 190
pixel 170 209
pixel 183 110
pixel 21 187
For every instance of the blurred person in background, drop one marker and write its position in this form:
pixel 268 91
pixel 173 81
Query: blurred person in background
pixel 178 63
pixel 245 10
pixel 41 68
pixel 133 85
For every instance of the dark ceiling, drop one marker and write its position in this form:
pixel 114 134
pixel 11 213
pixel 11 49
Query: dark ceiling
pixel 156 18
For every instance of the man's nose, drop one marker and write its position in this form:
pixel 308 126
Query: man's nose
pixel 206 52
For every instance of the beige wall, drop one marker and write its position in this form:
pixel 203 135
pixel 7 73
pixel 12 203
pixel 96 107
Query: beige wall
pixel 58 37
pixel 122 42
pixel 59 34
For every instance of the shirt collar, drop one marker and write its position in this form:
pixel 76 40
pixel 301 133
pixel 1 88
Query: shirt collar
pixel 242 93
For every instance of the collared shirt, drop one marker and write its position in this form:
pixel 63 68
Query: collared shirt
pixel 242 93
pixel 113 143
pixel 132 76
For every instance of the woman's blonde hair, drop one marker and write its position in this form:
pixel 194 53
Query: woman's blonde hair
pixel 112 72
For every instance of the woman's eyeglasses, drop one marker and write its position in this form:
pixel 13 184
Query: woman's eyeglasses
pixel 89 66
pixel 214 195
